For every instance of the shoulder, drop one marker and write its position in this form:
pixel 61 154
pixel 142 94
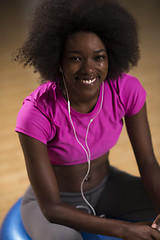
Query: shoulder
pixel 130 86
pixel 132 94
pixel 43 97
pixel 125 81
pixel 128 82
pixel 125 85
pixel 129 93
pixel 45 92
pixel 35 117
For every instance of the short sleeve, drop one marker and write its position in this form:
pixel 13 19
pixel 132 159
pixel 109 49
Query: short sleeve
pixel 34 123
pixel 132 94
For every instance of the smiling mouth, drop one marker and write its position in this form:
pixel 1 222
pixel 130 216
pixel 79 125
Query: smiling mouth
pixel 88 81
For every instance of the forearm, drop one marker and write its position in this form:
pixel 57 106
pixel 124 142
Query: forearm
pixel 150 174
pixel 70 216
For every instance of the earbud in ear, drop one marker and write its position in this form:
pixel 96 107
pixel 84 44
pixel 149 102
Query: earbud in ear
pixel 60 69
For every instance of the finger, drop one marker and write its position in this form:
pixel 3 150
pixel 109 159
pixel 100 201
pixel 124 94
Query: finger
pixel 156 222
pixel 154 225
pixel 155 234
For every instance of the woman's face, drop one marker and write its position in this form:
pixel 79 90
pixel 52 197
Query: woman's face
pixel 84 65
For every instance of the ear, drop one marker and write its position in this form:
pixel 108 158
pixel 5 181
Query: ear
pixel 60 69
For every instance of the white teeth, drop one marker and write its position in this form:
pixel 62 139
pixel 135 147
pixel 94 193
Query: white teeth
pixel 89 81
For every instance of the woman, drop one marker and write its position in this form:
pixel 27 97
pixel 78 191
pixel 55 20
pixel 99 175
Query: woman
pixel 82 50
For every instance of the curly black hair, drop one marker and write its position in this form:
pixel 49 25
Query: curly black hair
pixel 54 20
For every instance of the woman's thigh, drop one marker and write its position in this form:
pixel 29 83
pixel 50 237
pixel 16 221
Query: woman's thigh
pixel 124 197
pixel 38 227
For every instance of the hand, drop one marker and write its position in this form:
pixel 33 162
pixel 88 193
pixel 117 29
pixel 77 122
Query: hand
pixel 156 223
pixel 141 231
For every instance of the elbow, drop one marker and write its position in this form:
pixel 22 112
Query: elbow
pixel 53 212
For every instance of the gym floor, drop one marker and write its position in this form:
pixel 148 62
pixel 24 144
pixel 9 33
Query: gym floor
pixel 17 82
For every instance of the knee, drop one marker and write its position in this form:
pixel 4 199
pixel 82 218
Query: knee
pixel 60 233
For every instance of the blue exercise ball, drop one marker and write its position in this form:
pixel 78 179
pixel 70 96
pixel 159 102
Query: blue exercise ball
pixel 12 227
pixel 90 236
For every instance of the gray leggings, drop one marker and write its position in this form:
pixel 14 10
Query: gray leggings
pixel 119 196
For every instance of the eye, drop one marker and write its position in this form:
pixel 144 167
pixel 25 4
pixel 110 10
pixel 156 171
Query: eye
pixel 75 59
pixel 100 58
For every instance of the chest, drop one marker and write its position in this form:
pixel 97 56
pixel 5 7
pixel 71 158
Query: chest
pixel 74 135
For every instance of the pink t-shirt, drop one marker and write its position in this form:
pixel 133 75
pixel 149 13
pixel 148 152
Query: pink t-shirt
pixel 44 116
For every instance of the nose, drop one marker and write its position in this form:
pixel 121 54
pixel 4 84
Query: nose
pixel 87 67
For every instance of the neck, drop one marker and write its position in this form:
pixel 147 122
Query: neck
pixel 84 107
pixel 81 105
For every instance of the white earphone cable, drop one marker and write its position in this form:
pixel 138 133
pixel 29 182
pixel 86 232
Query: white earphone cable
pixel 88 153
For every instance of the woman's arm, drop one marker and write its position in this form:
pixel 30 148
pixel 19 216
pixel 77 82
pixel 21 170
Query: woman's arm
pixel 43 181
pixel 140 137
pixel 45 186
